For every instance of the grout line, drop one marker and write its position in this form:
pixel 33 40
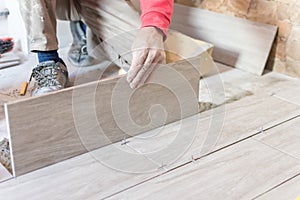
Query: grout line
pixel 128 188
pixel 280 184
pixel 201 157
pixel 277 149
pixel 7 179
pixel 287 100
pixel 285 153
pixel 248 137
pixel 141 153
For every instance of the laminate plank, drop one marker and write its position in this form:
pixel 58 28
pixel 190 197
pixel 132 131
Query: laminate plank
pixel 238 42
pixel 210 131
pixel 83 177
pixel 70 122
pixel 285 137
pixel 4 174
pixel 289 190
pixel 241 171
pixel 289 91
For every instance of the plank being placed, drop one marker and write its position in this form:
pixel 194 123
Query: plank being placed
pixel 238 42
pixel 241 171
pixel 72 121
pixel 54 127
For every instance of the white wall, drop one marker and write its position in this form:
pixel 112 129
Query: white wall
pixel 3 22
pixel 16 27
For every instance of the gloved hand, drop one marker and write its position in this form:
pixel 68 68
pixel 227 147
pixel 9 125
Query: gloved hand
pixel 6 44
pixel 147 53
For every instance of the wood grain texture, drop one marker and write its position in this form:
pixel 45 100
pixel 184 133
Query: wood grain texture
pixel 250 107
pixel 289 91
pixel 207 132
pixel 81 177
pixel 289 190
pixel 241 171
pixel 70 122
pixel 85 177
pixel 285 137
pixel 51 128
pixel 238 42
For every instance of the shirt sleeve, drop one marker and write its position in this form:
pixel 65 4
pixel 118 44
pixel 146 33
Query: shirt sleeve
pixel 157 13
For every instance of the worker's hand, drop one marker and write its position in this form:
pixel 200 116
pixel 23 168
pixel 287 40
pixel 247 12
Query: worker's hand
pixel 147 53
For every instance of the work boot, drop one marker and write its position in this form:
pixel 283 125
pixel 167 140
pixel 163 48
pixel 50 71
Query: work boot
pixel 49 77
pixel 78 54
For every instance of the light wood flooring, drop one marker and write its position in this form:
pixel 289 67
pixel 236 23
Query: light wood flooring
pixel 246 147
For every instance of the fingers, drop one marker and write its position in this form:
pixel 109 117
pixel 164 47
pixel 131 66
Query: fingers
pixel 154 58
pixel 138 59
pixel 143 68
pixel 148 73
pixel 147 53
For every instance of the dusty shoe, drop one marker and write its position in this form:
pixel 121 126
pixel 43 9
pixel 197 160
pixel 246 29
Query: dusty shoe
pixel 49 77
pixel 5 154
pixel 78 54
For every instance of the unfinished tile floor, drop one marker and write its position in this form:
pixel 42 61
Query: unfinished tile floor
pixel 244 145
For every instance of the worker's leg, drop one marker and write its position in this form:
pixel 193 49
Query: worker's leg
pixel 68 10
pixel 77 54
pixel 40 21
pixel 108 30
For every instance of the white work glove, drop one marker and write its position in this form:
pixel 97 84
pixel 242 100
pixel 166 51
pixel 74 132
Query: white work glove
pixel 147 53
